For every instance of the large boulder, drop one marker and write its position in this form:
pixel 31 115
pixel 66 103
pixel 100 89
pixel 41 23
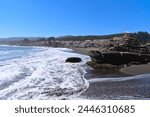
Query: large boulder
pixel 73 59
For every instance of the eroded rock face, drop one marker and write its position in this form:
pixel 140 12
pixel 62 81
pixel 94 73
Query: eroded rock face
pixel 73 59
pixel 125 52
pixel 120 58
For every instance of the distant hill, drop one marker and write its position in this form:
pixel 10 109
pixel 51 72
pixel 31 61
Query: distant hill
pixel 141 36
pixel 19 38
pixel 89 37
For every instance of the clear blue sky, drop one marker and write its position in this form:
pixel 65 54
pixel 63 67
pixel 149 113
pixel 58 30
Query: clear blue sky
pixel 72 17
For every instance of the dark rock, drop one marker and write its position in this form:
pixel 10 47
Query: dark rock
pixel 119 58
pixel 73 59
pixel 125 53
pixel 103 67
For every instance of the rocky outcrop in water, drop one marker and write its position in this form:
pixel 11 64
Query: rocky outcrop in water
pixel 73 59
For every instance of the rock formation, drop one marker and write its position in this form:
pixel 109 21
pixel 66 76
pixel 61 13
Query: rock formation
pixel 123 51
pixel 73 59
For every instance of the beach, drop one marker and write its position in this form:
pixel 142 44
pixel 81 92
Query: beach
pixel 129 70
pixel 42 73
pixel 130 82
pixel 121 89
pixel 136 69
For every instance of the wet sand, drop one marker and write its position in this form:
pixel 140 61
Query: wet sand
pixel 123 89
pixel 117 86
pixel 97 74
pixel 136 69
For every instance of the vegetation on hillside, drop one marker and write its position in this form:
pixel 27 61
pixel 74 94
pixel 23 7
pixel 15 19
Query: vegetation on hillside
pixel 143 37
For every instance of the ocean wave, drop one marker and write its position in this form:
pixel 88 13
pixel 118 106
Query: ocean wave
pixel 43 75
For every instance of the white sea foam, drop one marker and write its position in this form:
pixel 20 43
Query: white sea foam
pixel 43 75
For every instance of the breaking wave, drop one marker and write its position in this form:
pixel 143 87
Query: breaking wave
pixel 42 74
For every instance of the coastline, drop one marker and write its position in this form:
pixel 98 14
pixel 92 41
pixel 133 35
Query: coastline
pixel 111 85
pixel 96 74
pixel 127 84
pixel 125 71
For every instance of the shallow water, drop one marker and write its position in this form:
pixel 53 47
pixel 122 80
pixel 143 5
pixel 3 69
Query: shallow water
pixel 40 73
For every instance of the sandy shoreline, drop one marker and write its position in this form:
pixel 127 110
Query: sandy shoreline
pixel 136 69
pixel 130 70
pixel 138 89
pixel 128 86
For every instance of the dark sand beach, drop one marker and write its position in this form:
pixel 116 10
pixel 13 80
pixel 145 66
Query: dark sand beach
pixel 128 89
pixel 136 69
pixel 128 83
